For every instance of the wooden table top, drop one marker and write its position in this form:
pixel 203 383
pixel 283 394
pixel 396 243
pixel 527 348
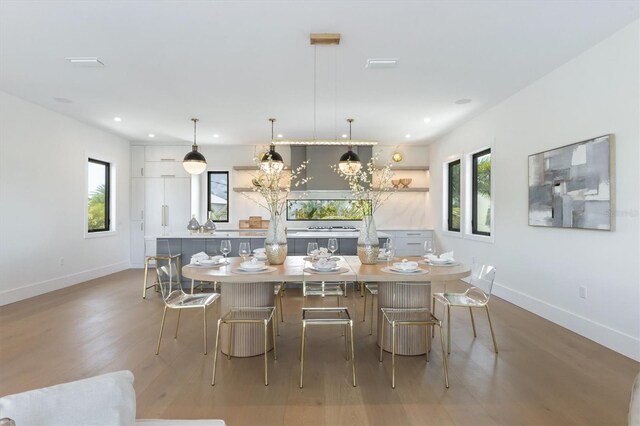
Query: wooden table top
pixel 295 268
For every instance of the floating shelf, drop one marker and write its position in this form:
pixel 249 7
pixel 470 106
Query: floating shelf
pixel 407 168
pixel 248 189
pixel 252 168
pixel 416 189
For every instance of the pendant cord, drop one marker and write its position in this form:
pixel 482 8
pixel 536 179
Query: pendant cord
pixel 315 84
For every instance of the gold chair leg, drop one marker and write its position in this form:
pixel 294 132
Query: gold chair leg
pixel 192 284
pixel 353 354
pixel 371 319
pixel 361 288
pixel 178 270
pixel 146 271
pixel 364 311
pixel 427 340
pixel 444 360
pixel 230 343
pixel 215 354
pixel 493 336
pixel 345 332
pixel 274 323
pixel 266 376
pixel 382 327
pixel 164 316
pixel 304 326
pixel 175 336
pixel 393 355
pixel 448 329
pixel 433 311
pixel 473 323
pixel 280 303
pixel 204 317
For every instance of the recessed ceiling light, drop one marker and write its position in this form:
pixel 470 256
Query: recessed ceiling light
pixel 408 135
pixel 382 63
pixel 86 61
pixel 427 120
pixel 463 101
pixel 151 135
pixel 345 135
pixel 216 135
pixel 63 100
pixel 279 135
pixel 118 119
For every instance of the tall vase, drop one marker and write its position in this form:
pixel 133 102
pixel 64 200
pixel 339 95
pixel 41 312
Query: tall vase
pixel 275 244
pixel 368 245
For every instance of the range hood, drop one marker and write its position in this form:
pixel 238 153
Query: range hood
pixel 321 158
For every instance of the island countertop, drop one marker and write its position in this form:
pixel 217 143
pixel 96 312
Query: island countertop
pixel 261 233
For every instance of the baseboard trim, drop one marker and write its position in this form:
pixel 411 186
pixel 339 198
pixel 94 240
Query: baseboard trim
pixel 42 287
pixel 615 340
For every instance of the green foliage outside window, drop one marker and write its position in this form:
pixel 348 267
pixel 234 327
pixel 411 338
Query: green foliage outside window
pixel 97 210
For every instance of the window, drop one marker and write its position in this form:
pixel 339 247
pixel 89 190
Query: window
pixel 218 196
pixel 481 193
pixel 98 200
pixel 453 196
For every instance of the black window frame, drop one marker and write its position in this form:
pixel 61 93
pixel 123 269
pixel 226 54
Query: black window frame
pixel 217 172
pixel 107 197
pixel 474 191
pixel 450 193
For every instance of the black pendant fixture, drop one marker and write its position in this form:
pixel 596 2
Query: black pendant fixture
pixel 271 162
pixel 194 162
pixel 349 161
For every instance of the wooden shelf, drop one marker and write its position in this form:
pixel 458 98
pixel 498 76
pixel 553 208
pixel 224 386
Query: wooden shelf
pixel 415 189
pixel 252 168
pixel 407 168
pixel 247 189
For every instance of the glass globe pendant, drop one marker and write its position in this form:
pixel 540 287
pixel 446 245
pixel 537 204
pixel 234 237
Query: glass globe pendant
pixel 194 162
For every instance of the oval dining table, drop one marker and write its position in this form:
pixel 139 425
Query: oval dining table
pixel 251 289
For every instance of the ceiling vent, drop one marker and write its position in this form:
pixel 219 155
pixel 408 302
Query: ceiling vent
pixel 85 61
pixel 382 63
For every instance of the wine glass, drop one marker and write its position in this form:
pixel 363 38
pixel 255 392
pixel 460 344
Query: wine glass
pixel 389 250
pixel 244 250
pixel 428 248
pixel 225 248
pixel 312 248
pixel 332 245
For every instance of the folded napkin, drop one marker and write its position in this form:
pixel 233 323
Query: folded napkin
pixel 199 256
pixel 259 250
pixel 325 263
pixel 217 259
pixel 447 256
pixel 252 264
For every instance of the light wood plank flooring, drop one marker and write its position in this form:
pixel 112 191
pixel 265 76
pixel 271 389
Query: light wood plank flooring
pixel 543 374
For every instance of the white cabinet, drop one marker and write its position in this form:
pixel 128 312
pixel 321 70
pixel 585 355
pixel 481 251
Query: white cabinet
pixel 137 244
pixel 410 242
pixel 137 161
pixel 167 205
pixel 136 211
pixel 167 168
pixel 166 153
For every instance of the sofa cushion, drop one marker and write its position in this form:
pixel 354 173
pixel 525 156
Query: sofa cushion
pixel 106 400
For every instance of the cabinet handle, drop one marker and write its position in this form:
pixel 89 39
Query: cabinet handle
pixel 142 214
pixel 167 176
pixel 141 227
pixel 414 233
pixel 413 244
pixel 141 171
pixel 167 159
pixel 162 218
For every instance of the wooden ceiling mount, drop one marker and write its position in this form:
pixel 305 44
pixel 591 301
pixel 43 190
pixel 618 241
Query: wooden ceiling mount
pixel 325 38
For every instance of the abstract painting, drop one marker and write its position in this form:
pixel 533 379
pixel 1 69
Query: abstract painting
pixel 573 186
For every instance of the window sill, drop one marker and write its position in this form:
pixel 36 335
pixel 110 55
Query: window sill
pixel 453 234
pixel 101 234
pixel 483 238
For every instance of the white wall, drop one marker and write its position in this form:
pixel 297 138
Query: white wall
pixel 402 210
pixel 541 269
pixel 43 196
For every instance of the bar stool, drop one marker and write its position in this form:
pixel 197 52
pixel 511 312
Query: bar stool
pixel 397 317
pixel 325 316
pixel 250 315
pixel 372 289
pixel 160 257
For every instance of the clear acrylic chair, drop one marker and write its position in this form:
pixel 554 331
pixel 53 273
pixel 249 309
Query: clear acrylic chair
pixel 477 296
pixel 176 298
pixel 403 317
pixel 157 259
pixel 322 289
pixel 371 289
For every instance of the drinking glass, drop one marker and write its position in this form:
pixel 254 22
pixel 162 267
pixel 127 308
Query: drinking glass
pixel 311 249
pixel 428 247
pixel 389 251
pixel 225 248
pixel 332 245
pixel 244 251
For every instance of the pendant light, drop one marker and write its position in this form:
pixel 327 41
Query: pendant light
pixel 271 161
pixel 194 162
pixel 349 162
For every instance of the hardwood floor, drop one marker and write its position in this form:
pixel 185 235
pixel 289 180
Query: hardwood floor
pixel 543 374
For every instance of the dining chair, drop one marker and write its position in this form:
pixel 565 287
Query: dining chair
pixel 249 315
pixel 177 299
pixel 322 289
pixel 278 290
pixel 476 296
pixel 157 259
pixel 408 317
pixel 371 289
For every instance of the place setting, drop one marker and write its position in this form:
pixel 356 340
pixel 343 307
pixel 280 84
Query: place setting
pixel 445 259
pixel 405 267
pixel 325 266
pixel 315 253
pixel 203 260
pixel 255 265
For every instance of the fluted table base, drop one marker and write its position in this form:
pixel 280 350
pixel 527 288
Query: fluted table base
pixel 248 339
pixel 410 340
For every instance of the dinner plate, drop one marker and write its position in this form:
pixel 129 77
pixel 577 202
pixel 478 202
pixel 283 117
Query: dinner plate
pixel 340 270
pixel 211 265
pixel 453 263
pixel 313 259
pixel 260 271
pixel 418 271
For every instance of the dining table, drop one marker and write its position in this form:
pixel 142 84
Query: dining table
pixel 240 288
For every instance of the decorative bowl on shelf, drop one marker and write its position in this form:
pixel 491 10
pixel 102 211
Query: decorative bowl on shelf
pixel 395 182
pixel 405 182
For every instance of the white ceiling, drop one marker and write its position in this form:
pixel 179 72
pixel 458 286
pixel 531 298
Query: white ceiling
pixel 234 64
